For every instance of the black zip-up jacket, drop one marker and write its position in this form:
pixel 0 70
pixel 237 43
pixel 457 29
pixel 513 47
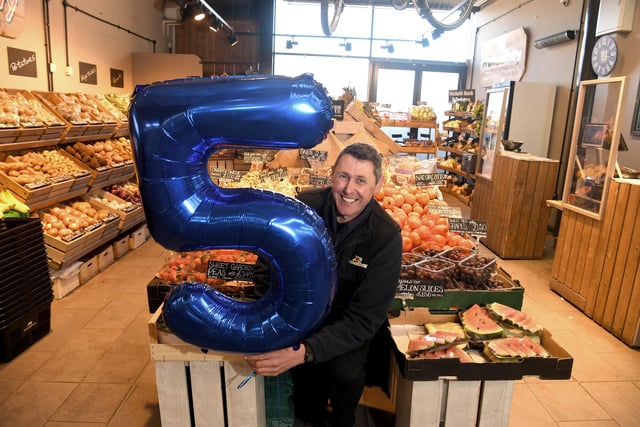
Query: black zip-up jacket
pixel 368 254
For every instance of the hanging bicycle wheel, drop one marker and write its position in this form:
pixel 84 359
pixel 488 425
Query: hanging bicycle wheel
pixel 444 14
pixel 400 4
pixel 330 11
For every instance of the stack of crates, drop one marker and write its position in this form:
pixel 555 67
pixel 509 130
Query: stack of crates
pixel 26 290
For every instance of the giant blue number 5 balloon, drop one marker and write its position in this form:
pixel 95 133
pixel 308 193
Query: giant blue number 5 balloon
pixel 175 127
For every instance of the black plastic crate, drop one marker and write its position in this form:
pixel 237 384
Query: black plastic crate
pixel 24 332
pixel 18 233
pixel 157 291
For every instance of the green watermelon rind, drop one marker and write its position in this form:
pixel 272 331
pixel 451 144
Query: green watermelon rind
pixel 489 332
pixel 494 308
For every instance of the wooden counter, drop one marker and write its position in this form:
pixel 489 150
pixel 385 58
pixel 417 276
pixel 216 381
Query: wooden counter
pixel 596 264
pixel 513 204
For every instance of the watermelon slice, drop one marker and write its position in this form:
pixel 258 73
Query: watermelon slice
pixel 513 348
pixel 514 317
pixel 479 324
pixel 438 340
pixel 449 353
pixel 453 327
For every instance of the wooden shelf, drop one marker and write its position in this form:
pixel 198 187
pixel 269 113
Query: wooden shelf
pixel 409 124
pixel 418 149
pixel 457 172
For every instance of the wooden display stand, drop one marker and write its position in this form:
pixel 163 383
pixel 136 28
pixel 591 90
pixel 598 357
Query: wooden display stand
pixel 201 389
pixel 596 262
pixel 513 204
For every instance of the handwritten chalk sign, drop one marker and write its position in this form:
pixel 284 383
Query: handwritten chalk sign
pixel 446 211
pixel 230 271
pixel 421 288
pixel 275 175
pixel 319 155
pixel 468 226
pixel 225 174
pixel 424 179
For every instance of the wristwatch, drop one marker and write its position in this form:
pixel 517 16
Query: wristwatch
pixel 308 353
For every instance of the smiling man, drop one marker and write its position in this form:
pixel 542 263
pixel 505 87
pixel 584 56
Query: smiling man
pixel 328 369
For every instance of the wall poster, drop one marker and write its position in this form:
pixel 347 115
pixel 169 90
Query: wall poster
pixel 88 73
pixel 504 58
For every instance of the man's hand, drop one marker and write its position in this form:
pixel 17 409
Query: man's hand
pixel 276 362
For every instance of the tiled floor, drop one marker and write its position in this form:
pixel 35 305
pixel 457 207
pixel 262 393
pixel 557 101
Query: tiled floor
pixel 93 369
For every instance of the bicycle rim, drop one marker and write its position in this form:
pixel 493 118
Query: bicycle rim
pixel 445 14
pixel 330 11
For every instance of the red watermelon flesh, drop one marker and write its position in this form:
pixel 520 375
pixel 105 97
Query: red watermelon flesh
pixel 514 317
pixel 449 353
pixel 479 323
pixel 515 347
pixel 429 342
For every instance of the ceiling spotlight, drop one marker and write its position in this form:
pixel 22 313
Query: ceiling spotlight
pixel 214 23
pixel 346 45
pixel 389 47
pixel 198 13
pixel 291 42
pixel 424 41
pixel 233 39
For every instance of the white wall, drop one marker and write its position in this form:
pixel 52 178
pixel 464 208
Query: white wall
pixel 558 64
pixel 89 40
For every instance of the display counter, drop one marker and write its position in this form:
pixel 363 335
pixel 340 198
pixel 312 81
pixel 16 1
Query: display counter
pixel 513 205
pixel 596 262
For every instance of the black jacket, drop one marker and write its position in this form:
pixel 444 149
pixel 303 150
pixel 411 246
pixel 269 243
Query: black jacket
pixel 368 254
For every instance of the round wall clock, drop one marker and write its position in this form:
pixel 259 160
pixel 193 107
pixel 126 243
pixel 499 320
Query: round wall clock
pixel 604 55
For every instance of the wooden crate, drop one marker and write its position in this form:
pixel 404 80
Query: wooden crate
pixel 451 402
pixel 597 263
pixel 513 204
pixel 128 218
pixel 31 194
pixel 201 389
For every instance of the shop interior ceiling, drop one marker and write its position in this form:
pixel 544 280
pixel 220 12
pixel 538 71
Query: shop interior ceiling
pixel 249 8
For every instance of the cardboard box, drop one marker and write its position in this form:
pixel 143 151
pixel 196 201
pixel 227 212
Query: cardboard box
pixel 105 257
pixel 137 237
pixel 453 300
pixel 557 366
pixel 66 280
pixel 88 269
pixel 121 246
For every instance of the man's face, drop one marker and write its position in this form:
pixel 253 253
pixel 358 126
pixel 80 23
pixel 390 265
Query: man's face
pixel 353 186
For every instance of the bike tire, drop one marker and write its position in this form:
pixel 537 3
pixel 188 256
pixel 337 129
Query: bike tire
pixel 329 26
pixel 458 12
pixel 400 4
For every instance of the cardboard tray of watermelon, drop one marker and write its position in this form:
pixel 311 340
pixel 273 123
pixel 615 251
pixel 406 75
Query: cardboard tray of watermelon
pixel 557 364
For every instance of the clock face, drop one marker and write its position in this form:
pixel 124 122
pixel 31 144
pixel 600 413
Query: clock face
pixel 604 55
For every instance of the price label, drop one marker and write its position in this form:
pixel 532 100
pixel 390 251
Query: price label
pixel 423 179
pixel 468 226
pixel 256 156
pixel 110 218
pixel 37 184
pixel 319 180
pixel 318 155
pixel 73 236
pixel 58 179
pixel 103 168
pixel 230 271
pixel 80 174
pixel 130 208
pixel 277 175
pixel 93 226
pixel 226 174
pixel 421 288
pixel 447 211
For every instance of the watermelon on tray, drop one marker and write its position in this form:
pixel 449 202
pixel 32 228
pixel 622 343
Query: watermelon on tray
pixel 438 340
pixel 517 318
pixel 513 349
pixel 479 324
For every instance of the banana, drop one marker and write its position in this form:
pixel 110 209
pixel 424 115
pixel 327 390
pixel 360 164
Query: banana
pixel 7 198
pixel 5 208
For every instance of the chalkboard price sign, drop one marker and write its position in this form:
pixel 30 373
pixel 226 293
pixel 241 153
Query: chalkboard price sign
pixel 423 179
pixel 230 271
pixel 319 155
pixel 421 288
pixel 448 211
pixel 225 174
pixel 468 226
